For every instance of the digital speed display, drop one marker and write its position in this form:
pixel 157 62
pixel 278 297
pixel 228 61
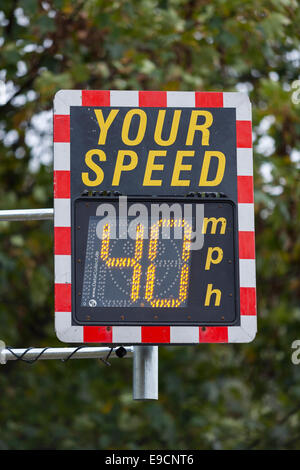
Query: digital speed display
pixel 154 261
pixel 145 272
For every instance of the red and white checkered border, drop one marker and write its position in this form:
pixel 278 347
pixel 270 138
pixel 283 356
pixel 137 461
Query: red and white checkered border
pixel 69 333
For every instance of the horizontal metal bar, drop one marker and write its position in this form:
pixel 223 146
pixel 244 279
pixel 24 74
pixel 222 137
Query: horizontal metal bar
pixel 30 354
pixel 27 214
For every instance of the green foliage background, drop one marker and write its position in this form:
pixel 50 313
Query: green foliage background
pixel 211 396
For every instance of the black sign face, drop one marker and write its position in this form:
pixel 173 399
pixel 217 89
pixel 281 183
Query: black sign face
pixel 155 261
pixel 153 151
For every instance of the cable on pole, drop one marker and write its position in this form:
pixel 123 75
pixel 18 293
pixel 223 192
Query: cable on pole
pixel 31 355
pixel 72 354
pixel 21 356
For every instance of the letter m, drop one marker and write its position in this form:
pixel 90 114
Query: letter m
pixel 214 223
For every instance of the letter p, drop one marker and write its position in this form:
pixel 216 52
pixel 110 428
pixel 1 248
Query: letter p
pixel 211 258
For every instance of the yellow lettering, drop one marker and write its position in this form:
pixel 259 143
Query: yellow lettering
pixel 209 258
pixel 205 168
pixel 151 166
pixel 159 127
pixel 104 125
pixel 120 164
pixel 214 223
pixel 141 130
pixel 93 166
pixel 209 292
pixel 178 167
pixel 193 127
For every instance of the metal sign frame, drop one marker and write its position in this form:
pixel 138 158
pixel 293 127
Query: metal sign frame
pixel 139 335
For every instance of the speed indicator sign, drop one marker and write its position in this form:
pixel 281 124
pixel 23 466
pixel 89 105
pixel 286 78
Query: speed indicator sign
pixel 154 225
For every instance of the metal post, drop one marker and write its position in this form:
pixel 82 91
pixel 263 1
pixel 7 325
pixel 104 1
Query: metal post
pixel 145 373
pixel 27 214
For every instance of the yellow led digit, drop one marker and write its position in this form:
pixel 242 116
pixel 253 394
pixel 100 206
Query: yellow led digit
pixel 133 262
pixel 105 242
pixel 153 242
pixel 137 270
pixel 125 262
pixel 184 271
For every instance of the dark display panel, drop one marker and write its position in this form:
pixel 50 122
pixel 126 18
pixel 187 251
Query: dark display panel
pixel 177 268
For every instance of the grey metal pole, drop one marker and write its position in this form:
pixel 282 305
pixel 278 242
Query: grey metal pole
pixel 145 373
pixel 31 354
pixel 26 214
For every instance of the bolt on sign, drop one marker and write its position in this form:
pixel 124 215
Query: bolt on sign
pixel 153 217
